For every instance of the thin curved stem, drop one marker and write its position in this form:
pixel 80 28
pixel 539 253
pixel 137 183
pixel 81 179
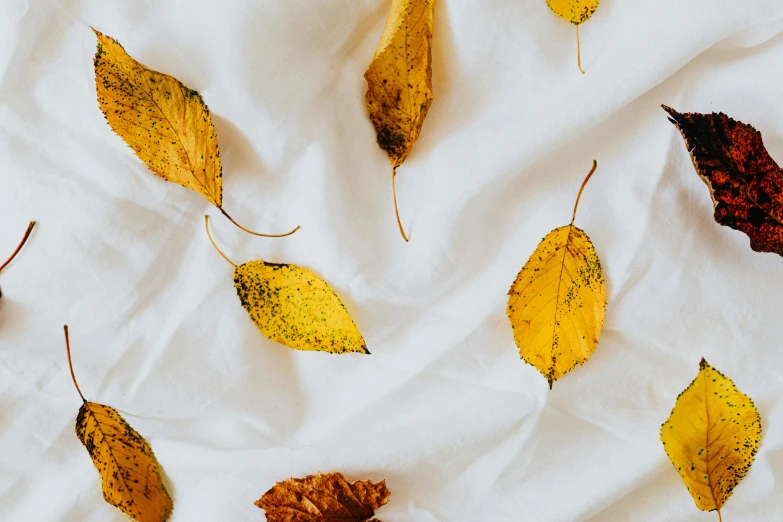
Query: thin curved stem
pixel 720 518
pixel 21 244
pixel 396 210
pixel 579 51
pixel 70 364
pixel 578 196
pixel 254 232
pixel 206 225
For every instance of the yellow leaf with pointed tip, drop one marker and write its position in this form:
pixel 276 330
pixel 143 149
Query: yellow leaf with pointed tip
pixel 711 437
pixel 399 78
pixel 130 473
pixel 558 301
pixel 166 124
pixel 399 82
pixel 295 307
pixel 575 11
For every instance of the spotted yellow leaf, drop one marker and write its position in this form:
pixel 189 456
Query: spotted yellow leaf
pixel 399 81
pixel 577 12
pixel 167 124
pixel 558 301
pixel 295 307
pixel 130 473
pixel 712 437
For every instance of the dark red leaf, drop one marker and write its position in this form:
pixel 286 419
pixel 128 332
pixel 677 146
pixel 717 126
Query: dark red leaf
pixel 745 183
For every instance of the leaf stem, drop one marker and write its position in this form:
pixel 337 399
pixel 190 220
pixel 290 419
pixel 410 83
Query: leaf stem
pixel 720 518
pixel 21 244
pixel 70 364
pixel 256 233
pixel 578 196
pixel 396 210
pixel 206 224
pixel 579 51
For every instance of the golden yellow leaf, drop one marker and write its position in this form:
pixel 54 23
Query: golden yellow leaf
pixel 130 473
pixel 711 437
pixel 558 301
pixel 577 12
pixel 167 125
pixel 399 80
pixel 295 307
pixel 320 497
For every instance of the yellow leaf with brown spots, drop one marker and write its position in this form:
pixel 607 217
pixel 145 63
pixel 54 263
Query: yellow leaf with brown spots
pixel 295 307
pixel 319 498
pixel 399 80
pixel 557 303
pixel 130 473
pixel 166 124
pixel 577 12
pixel 712 437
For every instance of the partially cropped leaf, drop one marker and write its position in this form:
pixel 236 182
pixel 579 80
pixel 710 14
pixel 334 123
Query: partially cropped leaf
pixel 399 78
pixel 295 307
pixel 130 473
pixel 577 12
pixel 712 437
pixel 399 81
pixel 166 124
pixel 558 301
pixel 322 498
pixel 745 183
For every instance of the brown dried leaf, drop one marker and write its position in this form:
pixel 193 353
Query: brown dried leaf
pixel 745 183
pixel 321 498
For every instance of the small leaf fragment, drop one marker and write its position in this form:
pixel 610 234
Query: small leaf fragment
pixel 319 498
pixel 130 473
pixel 575 11
pixel 399 78
pixel 712 437
pixel 167 125
pixel 557 303
pixel 745 183
pixel 295 307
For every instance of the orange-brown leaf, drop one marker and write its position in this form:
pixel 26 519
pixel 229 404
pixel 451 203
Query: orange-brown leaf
pixel 319 498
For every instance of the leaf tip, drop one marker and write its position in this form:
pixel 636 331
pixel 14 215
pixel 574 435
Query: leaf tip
pixel 673 115
pixel 703 364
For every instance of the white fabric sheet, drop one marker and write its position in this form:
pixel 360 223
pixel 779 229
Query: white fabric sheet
pixel 443 409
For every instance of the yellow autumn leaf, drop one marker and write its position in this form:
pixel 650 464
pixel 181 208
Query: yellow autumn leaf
pixel 577 12
pixel 712 437
pixel 558 301
pixel 399 81
pixel 130 473
pixel 167 125
pixel 295 307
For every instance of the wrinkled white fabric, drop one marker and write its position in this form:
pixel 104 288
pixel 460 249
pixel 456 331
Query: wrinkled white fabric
pixel 443 409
